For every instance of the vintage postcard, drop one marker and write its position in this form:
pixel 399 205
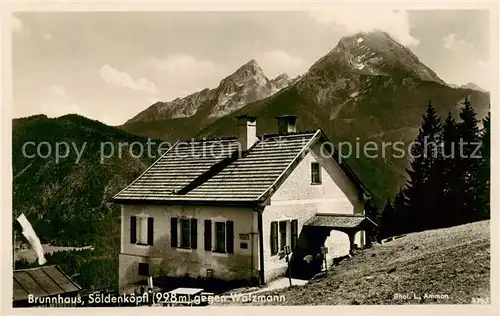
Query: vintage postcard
pixel 220 156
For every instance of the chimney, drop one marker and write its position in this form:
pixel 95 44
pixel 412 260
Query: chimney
pixel 286 124
pixel 247 131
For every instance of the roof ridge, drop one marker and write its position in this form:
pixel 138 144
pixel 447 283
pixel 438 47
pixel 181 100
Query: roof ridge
pixel 208 139
pixel 307 132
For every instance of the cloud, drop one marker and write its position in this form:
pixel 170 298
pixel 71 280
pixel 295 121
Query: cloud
pixel 47 36
pixel 57 90
pixel 115 77
pixel 451 42
pixel 176 63
pixel 277 62
pixel 182 74
pixel 354 19
pixel 17 24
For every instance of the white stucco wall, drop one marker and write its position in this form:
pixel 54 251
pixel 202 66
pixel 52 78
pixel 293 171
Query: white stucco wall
pixel 298 199
pixel 171 261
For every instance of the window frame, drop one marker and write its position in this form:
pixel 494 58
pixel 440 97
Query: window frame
pixel 180 232
pixel 216 236
pixel 142 227
pixel 277 240
pixel 282 234
pixel 316 174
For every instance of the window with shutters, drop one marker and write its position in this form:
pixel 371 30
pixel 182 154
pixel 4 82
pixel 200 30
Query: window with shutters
pixel 283 233
pixel 142 230
pixel 223 237
pixel 315 173
pixel 184 233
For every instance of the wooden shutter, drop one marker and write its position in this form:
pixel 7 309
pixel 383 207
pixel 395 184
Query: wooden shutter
pixel 133 229
pixel 194 233
pixel 274 238
pixel 230 237
pixel 208 235
pixel 151 226
pixel 173 231
pixel 295 237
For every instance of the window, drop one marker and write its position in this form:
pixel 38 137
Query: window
pixel 141 230
pixel 184 230
pixel 315 173
pixel 220 237
pixel 185 233
pixel 283 233
pixel 223 236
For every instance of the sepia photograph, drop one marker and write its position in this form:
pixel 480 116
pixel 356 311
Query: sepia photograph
pixel 192 158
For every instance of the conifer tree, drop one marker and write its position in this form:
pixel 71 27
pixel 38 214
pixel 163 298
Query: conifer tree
pixel 482 177
pixel 421 192
pixel 445 176
pixel 467 163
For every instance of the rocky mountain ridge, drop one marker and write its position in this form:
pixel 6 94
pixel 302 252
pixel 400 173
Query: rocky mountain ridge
pixel 247 84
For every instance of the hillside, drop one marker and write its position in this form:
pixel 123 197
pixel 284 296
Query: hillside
pixel 66 200
pixel 368 88
pixel 452 263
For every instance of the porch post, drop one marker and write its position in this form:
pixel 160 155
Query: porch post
pixel 351 242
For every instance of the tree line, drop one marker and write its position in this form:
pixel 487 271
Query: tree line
pixel 448 179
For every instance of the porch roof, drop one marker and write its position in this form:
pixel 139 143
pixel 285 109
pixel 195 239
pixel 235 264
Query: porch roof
pixel 340 221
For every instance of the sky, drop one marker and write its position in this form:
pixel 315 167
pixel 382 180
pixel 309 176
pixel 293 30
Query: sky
pixel 109 66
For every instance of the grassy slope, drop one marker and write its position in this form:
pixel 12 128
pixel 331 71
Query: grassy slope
pixel 453 261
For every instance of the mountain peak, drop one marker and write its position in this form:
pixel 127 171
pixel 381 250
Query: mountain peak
pixel 251 63
pixel 377 53
pixel 247 71
pixel 250 68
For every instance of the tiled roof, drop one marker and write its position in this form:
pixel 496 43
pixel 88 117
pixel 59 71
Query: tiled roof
pixel 215 171
pixel 190 172
pixel 338 221
pixel 42 281
pixel 178 167
pixel 249 177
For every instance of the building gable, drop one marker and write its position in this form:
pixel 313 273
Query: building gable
pixel 335 187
